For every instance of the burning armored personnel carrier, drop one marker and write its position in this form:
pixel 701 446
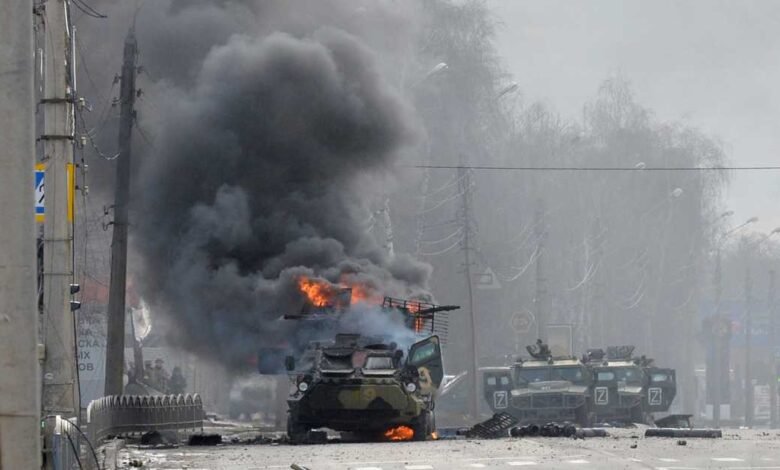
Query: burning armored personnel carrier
pixel 541 389
pixel 365 384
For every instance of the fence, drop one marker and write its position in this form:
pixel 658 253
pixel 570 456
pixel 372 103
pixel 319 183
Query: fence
pixel 124 415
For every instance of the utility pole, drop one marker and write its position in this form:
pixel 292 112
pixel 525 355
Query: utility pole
pixel 540 296
pixel 19 367
pixel 60 386
pixel 464 183
pixel 773 348
pixel 115 344
pixel 748 346
pixel 716 398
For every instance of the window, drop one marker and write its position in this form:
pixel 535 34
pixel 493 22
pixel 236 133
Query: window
pixel 533 375
pixel 491 381
pixel 379 362
pixel 424 353
pixel 570 374
pixel 659 378
pixel 605 376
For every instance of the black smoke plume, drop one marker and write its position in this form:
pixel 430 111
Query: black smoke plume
pixel 258 177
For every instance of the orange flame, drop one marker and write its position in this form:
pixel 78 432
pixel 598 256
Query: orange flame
pixel 320 293
pixel 399 433
pixel 435 436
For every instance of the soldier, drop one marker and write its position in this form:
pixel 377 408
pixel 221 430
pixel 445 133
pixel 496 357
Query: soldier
pixel 148 371
pixel 160 376
pixel 177 383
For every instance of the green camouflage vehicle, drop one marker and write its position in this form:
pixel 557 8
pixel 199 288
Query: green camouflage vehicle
pixel 542 389
pixel 366 386
pixel 629 389
pixel 618 386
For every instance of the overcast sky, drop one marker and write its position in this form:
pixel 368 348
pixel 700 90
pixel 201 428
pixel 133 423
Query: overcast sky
pixel 711 64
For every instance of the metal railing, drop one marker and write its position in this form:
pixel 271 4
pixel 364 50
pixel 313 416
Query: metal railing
pixel 125 415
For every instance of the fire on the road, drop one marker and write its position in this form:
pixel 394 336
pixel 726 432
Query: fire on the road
pixel 399 433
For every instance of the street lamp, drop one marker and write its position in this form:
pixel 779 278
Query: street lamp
pixel 716 396
pixel 749 328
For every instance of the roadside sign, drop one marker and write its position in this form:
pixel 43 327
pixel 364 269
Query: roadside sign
pixel 521 321
pixel 40 170
pixel 488 280
pixel 560 338
pixel 40 191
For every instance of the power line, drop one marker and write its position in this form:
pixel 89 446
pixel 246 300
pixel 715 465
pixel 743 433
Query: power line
pixel 88 10
pixel 595 168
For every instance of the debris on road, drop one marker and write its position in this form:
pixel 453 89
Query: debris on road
pixel 680 421
pixel 676 432
pixel 495 427
pixel 682 442
pixel 205 440
pixel 295 466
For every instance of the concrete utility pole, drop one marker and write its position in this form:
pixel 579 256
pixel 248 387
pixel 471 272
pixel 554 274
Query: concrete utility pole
pixel 464 182
pixel 60 387
pixel 716 398
pixel 115 341
pixel 19 367
pixel 540 296
pixel 748 346
pixel 772 344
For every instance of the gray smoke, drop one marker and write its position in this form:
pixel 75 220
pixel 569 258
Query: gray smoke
pixel 255 180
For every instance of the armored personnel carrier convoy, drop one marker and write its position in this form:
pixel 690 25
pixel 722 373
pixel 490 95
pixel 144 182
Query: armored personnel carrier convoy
pixel 612 386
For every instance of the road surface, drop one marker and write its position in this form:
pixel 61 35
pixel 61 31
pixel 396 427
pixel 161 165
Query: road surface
pixel 625 449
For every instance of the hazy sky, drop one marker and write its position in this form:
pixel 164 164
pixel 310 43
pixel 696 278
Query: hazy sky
pixel 711 64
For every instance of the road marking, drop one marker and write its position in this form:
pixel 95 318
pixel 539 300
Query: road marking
pixel 634 460
pixel 668 460
pixel 419 467
pixel 727 459
pixel 577 461
pixel 368 468
pixel 478 465
pixel 521 463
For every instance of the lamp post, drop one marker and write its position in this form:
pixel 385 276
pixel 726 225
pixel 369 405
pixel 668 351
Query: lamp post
pixel 718 366
pixel 749 329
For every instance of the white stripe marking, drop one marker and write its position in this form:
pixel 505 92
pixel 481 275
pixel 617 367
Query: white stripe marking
pixel 635 460
pixel 369 468
pixel 577 461
pixel 727 459
pixel 521 463
pixel 478 465
pixel 668 460
pixel 419 467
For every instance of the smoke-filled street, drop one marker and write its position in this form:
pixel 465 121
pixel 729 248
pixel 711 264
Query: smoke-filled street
pixel 442 233
pixel 737 450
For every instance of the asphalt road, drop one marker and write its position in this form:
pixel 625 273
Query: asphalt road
pixel 625 449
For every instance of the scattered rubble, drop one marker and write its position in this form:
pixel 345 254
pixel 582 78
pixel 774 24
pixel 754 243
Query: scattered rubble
pixel 677 432
pixel 205 440
pixel 495 427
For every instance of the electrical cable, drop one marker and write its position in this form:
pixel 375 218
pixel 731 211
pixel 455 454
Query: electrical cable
pixel 441 252
pixel 88 10
pixel 595 168
pixel 86 438
pixel 75 452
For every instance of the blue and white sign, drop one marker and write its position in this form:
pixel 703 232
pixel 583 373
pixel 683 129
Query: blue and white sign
pixel 40 211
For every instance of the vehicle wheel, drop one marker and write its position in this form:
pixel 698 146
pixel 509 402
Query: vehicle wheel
pixel 296 432
pixel 423 426
pixel 638 415
pixel 584 419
